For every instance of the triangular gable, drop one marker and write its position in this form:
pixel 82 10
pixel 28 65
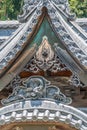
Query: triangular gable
pixel 49 42
pixel 43 27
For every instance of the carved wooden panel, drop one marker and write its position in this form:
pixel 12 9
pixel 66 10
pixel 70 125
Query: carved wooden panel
pixel 45 62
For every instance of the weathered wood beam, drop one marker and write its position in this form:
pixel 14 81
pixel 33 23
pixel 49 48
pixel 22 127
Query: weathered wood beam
pixel 17 67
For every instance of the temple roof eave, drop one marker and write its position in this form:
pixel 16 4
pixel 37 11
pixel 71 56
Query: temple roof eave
pixel 8 38
pixel 9 24
pixel 78 41
pixel 73 43
pixel 56 113
pixel 16 68
pixel 81 20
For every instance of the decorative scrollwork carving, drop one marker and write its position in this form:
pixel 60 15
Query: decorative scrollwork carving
pixel 64 6
pixel 45 55
pixel 36 87
pixel 15 82
pixel 45 59
pixel 75 81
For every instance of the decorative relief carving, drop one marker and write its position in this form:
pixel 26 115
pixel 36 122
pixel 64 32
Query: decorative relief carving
pixel 64 6
pixel 75 81
pixel 45 59
pixel 29 7
pixel 36 87
pixel 15 82
pixel 58 65
pixel 45 55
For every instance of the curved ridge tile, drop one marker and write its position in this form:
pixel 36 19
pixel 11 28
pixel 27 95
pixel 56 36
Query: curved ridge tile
pixel 56 113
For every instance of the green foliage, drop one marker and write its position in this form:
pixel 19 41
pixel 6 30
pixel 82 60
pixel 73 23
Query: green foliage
pixel 13 8
pixel 9 9
pixel 2 10
pixel 79 7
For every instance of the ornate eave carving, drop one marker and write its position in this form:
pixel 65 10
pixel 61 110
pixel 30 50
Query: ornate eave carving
pixel 30 6
pixel 33 94
pixel 42 112
pixel 45 59
pixel 36 88
pixel 44 55
pixel 61 29
pixel 75 80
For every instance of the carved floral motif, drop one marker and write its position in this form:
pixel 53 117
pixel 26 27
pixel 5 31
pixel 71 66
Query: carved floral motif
pixel 45 59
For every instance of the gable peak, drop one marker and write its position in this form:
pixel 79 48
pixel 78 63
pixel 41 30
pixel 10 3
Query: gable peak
pixel 31 6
